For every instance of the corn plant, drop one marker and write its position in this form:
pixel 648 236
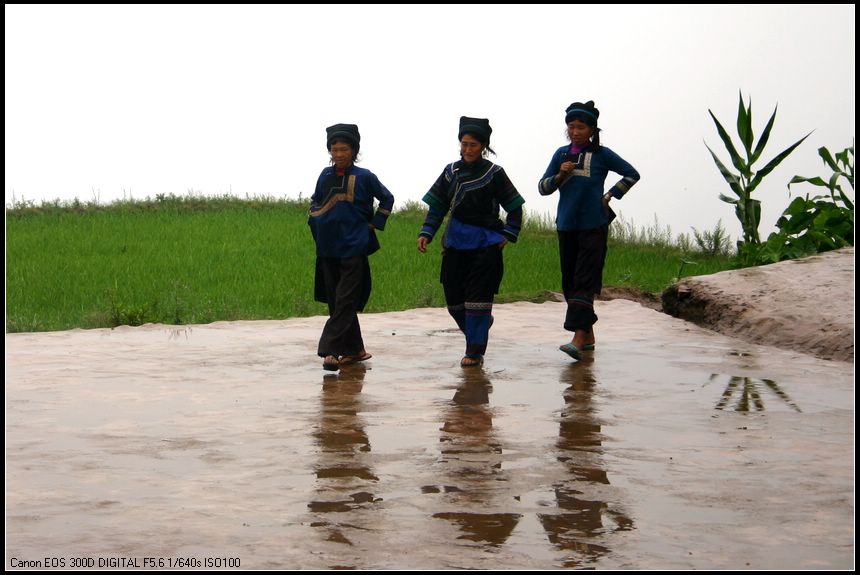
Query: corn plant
pixel 743 183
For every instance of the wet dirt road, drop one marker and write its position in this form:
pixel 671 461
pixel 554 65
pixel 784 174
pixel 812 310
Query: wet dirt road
pixel 669 447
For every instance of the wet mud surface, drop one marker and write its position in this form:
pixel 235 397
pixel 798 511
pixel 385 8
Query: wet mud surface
pixel 668 447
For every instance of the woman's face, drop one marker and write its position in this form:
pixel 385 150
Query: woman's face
pixel 341 155
pixel 470 148
pixel 579 132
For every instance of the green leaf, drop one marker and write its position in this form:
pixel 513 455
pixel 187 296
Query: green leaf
pixel 805 246
pixel 843 155
pixel 816 181
pixel 732 179
pixel 727 199
pixel 825 220
pixel 799 223
pixel 796 207
pixel 833 185
pixel 737 161
pixel 745 130
pixel 773 164
pixel 756 219
pixel 765 136
pixel 775 241
pixel 828 159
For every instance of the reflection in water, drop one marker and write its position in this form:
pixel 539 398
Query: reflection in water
pixel 747 393
pixel 586 514
pixel 472 458
pixel 343 474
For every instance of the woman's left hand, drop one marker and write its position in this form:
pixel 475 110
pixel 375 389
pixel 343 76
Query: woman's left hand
pixel 503 244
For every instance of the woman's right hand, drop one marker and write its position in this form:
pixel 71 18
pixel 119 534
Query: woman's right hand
pixel 422 243
pixel 566 168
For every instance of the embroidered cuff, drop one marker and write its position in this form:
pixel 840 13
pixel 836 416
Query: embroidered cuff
pixel 380 218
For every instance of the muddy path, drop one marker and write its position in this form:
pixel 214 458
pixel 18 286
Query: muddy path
pixel 668 447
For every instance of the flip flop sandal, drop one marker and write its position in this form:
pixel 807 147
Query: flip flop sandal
pixel 348 359
pixel 571 350
pixel 478 363
pixel 330 365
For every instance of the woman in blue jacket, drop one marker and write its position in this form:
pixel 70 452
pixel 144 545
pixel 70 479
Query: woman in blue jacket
pixel 343 224
pixel 578 171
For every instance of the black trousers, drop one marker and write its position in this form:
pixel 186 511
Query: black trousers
pixel 346 286
pixel 471 279
pixel 583 255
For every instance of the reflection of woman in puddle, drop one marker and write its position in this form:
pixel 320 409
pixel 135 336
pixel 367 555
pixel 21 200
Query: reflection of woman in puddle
pixel 343 471
pixel 472 456
pixel 588 508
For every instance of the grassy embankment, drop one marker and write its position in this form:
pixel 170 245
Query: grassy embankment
pixel 183 260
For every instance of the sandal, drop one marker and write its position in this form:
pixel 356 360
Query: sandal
pixel 469 361
pixel 348 359
pixel 330 363
pixel 571 350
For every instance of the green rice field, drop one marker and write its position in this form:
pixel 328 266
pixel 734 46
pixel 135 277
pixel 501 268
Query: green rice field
pixel 189 260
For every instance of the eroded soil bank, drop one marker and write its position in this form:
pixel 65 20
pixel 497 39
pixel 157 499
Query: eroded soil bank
pixel 805 305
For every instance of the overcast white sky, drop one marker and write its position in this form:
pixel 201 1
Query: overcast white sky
pixel 112 101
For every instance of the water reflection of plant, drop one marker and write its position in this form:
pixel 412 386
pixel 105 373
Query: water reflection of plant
pixel 747 393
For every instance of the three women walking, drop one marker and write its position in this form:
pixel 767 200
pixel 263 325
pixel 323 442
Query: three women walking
pixel 470 193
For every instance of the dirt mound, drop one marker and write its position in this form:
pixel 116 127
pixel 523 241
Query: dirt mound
pixel 804 305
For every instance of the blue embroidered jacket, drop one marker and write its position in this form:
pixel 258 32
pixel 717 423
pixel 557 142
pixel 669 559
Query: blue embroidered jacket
pixel 580 203
pixel 341 209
